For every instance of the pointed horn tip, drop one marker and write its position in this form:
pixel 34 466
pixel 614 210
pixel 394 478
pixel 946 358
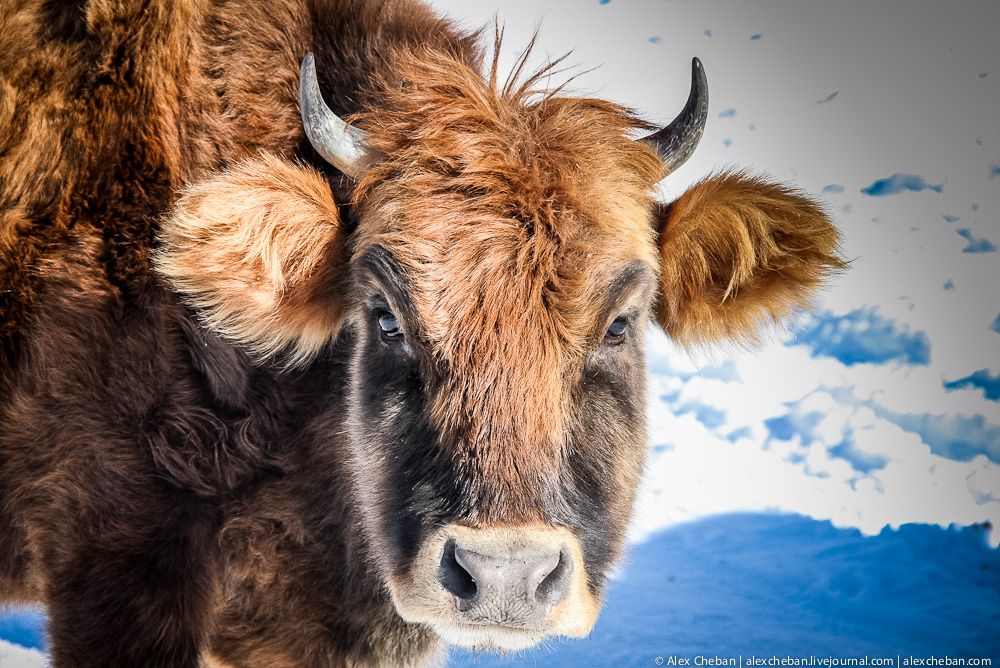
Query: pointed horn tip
pixel 676 142
pixel 307 71
pixel 698 77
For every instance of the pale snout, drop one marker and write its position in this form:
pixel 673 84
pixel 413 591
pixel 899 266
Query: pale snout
pixel 502 588
pixel 516 585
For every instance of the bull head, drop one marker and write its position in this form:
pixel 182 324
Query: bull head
pixel 494 292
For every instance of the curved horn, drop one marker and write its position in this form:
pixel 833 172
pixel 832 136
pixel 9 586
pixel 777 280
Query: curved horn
pixel 676 142
pixel 337 142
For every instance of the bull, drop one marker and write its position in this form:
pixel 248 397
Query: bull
pixel 321 342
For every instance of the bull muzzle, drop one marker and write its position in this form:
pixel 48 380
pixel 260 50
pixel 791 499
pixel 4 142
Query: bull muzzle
pixel 501 588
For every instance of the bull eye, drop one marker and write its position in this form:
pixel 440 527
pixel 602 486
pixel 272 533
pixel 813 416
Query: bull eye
pixel 616 331
pixel 388 325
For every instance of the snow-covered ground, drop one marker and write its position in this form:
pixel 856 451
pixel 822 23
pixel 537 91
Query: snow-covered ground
pixel 764 585
pixel 882 407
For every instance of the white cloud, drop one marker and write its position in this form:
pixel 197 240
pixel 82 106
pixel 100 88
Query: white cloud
pixel 14 656
pixel 837 453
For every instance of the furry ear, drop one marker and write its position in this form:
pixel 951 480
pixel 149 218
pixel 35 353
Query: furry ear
pixel 737 254
pixel 259 252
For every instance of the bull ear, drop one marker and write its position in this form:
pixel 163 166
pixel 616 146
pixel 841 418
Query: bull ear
pixel 258 250
pixel 739 254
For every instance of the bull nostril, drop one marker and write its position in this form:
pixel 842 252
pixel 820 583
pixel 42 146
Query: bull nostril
pixel 555 585
pixel 454 577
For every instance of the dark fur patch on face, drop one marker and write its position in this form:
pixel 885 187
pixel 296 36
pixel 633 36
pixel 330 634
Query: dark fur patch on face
pixel 606 453
pixel 416 486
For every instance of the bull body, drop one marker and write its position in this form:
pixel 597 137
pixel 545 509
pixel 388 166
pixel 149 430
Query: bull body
pixel 179 483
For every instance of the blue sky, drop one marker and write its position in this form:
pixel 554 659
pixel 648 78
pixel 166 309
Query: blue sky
pixel 897 183
pixel 862 336
pixel 982 379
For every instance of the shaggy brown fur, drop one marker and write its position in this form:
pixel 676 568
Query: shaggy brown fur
pixel 206 449
pixel 146 466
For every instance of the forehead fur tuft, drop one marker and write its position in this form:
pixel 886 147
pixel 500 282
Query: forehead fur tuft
pixel 435 115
